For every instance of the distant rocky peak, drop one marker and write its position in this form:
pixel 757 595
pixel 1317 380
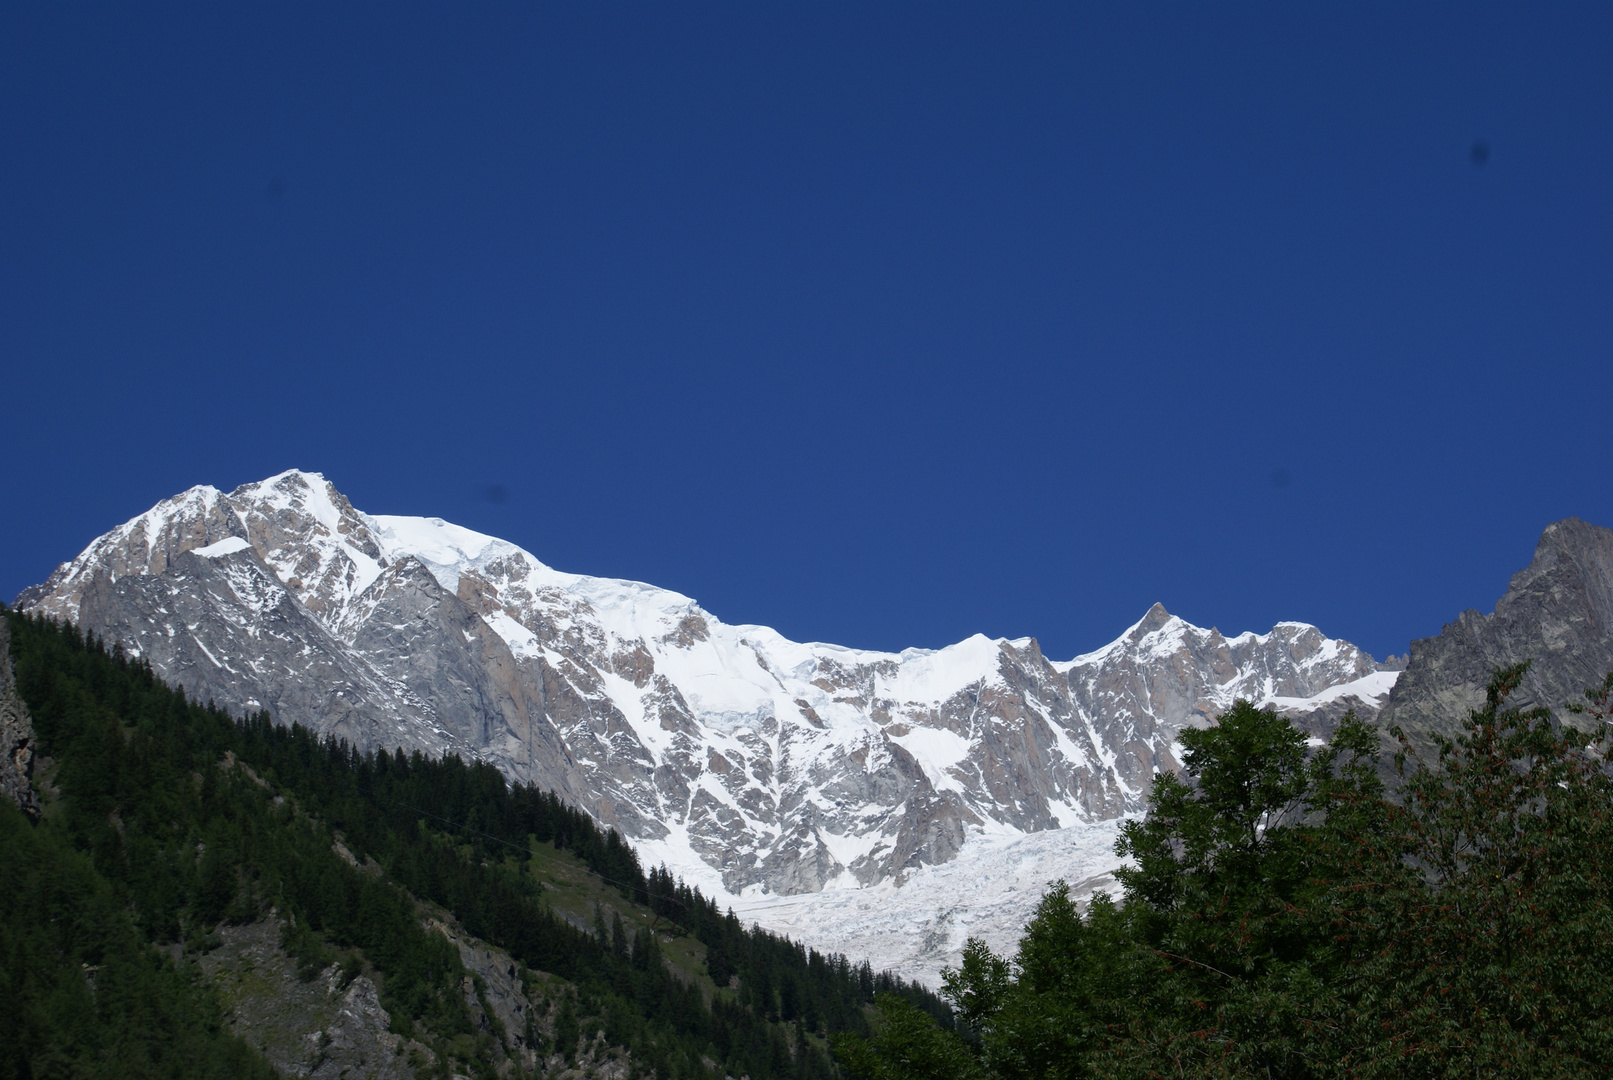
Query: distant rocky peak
pixel 311 537
pixel 305 531
pixel 1557 613
pixel 1153 622
pixel 1572 556
pixel 146 544
pixel 297 509
pixel 744 760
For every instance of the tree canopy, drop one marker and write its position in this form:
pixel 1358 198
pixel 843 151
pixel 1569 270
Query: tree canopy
pixel 1282 917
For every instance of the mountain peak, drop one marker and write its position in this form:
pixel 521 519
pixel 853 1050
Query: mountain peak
pixel 743 760
pixel 1557 613
pixel 1156 619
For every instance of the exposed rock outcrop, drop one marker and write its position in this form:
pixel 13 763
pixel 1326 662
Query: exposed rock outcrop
pixel 334 1025
pixel 1557 612
pixel 16 736
pixel 323 1029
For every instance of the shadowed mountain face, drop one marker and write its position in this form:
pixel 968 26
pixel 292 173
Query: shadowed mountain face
pixel 743 760
pixel 1557 612
pixel 16 737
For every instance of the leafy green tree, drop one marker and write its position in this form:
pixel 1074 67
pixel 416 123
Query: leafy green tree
pixel 566 1028
pixel 907 1044
pixel 1282 919
pixel 1214 964
pixel 1217 961
pixel 1495 961
pixel 977 988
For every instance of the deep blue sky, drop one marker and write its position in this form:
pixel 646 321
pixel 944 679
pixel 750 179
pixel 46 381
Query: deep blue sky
pixel 878 326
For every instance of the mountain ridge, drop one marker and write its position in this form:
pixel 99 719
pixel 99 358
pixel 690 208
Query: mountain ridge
pixel 1556 612
pixel 751 764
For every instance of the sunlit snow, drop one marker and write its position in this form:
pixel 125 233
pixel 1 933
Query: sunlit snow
pixel 227 546
pixel 795 742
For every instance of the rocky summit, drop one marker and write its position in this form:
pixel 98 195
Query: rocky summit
pixel 1557 613
pixel 748 763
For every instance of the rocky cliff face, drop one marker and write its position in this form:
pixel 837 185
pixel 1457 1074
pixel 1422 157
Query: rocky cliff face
pixel 745 761
pixel 323 1028
pixel 333 1025
pixel 16 737
pixel 1557 612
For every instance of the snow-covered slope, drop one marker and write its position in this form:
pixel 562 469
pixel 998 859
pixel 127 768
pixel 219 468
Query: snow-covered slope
pixel 990 891
pixel 756 766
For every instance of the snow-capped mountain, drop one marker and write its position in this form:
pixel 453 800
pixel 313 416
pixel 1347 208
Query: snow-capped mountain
pixel 753 765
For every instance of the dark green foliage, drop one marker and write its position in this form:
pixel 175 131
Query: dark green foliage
pixel 84 994
pixel 1282 919
pixel 182 834
pixel 1500 961
pixel 907 1045
pixel 566 1030
pixel 186 818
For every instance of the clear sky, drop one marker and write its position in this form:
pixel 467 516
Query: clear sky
pixel 881 325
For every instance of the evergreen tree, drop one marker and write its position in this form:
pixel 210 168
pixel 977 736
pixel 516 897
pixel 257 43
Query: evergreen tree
pixel 185 818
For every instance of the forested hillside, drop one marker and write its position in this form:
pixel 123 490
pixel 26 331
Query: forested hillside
pixel 168 825
pixel 1283 919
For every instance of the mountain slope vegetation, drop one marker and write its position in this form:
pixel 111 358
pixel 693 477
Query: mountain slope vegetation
pixel 167 823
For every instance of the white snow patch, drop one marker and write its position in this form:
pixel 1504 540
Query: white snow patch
pixel 227 546
pixel 926 676
pixel 630 701
pixel 522 642
pixel 848 849
pixel 1368 688
pixel 445 548
pixel 989 891
pixel 936 750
